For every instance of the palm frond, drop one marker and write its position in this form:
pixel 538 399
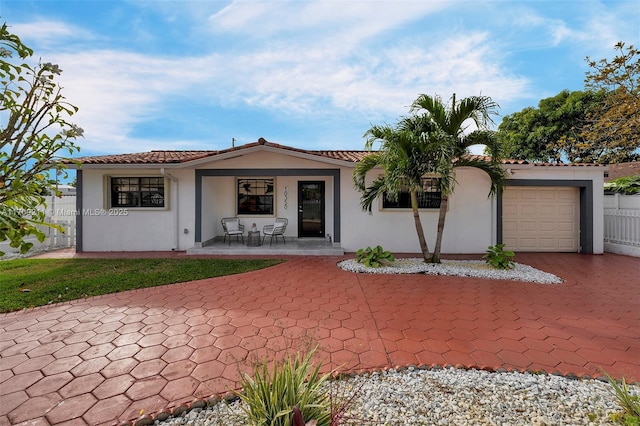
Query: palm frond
pixel 494 170
pixel 479 109
pixel 493 145
pixel 377 133
pixel 432 106
pixel 376 189
pixel 363 167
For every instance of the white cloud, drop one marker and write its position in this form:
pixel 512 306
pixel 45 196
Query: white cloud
pixel 372 81
pixel 116 90
pixel 46 33
pixel 321 60
pixel 347 22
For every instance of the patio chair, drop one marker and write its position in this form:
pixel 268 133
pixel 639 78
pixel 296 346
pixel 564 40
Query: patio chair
pixel 278 228
pixel 232 227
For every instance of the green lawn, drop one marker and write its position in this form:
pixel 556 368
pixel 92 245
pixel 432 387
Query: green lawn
pixel 26 283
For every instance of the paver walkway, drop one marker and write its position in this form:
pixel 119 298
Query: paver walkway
pixel 104 359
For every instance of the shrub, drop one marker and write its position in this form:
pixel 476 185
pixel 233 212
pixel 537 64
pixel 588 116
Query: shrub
pixel 295 382
pixel 630 403
pixel 629 185
pixel 499 258
pixel 374 257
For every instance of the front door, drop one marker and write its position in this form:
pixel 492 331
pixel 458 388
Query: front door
pixel 311 209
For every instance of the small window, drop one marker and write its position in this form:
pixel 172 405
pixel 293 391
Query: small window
pixel 255 196
pixel 429 198
pixel 137 192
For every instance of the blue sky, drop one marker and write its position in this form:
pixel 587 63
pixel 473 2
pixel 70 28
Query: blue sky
pixel 309 74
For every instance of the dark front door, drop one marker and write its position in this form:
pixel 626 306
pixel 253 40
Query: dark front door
pixel 310 209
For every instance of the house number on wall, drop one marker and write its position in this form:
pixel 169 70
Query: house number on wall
pixel 285 198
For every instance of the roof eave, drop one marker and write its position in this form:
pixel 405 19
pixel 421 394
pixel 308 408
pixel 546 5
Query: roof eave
pixel 224 156
pixel 127 166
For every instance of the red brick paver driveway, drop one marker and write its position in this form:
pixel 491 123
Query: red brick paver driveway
pixel 104 359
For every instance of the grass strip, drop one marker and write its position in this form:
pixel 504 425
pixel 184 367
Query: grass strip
pixel 26 283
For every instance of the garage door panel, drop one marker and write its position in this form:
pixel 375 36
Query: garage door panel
pixel 510 242
pixel 548 226
pixel 569 210
pixel 510 227
pixel 567 228
pixel 546 195
pixel 548 243
pixel 566 244
pixel 566 193
pixel 527 194
pixel 541 218
pixel 510 209
pixel 526 243
pixel 548 210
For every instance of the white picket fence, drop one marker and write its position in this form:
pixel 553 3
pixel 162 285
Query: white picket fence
pixel 57 238
pixel 622 224
pixel 60 211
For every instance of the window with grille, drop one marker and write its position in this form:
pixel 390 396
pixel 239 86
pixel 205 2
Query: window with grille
pixel 429 198
pixel 256 196
pixel 137 192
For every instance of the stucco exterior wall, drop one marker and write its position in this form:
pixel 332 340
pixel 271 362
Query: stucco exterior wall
pixel 137 229
pixel 468 227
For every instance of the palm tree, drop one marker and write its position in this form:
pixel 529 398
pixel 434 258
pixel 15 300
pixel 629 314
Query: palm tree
pixel 405 156
pixel 448 125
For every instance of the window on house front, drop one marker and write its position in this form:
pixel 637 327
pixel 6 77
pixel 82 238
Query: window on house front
pixel 137 192
pixel 256 196
pixel 429 198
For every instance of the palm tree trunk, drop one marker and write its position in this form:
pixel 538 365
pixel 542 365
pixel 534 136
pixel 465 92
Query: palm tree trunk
pixel 444 202
pixel 416 219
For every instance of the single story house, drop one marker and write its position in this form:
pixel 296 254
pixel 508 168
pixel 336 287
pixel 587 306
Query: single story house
pixel 174 200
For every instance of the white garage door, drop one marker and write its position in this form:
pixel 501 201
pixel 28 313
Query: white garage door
pixel 541 218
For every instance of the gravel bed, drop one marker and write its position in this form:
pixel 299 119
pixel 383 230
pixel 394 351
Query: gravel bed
pixel 461 268
pixel 450 396
pixel 10 254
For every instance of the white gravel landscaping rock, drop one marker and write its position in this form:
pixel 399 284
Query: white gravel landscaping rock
pixel 461 268
pixel 452 396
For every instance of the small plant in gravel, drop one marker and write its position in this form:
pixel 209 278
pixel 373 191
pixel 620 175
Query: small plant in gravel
pixel 629 402
pixel 276 388
pixel 374 257
pixel 499 258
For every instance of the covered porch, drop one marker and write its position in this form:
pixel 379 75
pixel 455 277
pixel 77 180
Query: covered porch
pixel 293 246
pixel 313 220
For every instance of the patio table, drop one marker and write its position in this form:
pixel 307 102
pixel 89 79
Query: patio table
pixel 253 239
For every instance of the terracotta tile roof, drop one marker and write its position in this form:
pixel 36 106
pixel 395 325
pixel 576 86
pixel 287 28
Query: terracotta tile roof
pixel 511 162
pixel 178 157
pixel 152 157
pixel 537 164
pixel 623 169
pixel 174 157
